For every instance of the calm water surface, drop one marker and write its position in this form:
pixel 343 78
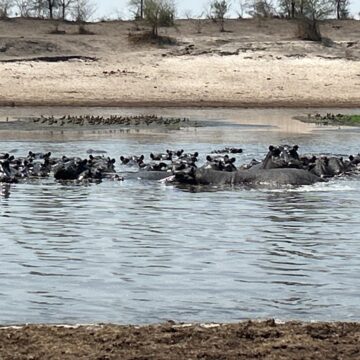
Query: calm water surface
pixel 144 252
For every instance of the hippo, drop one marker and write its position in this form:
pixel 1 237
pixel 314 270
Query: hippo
pixel 134 160
pixel 277 169
pixel 221 163
pixel 273 177
pixel 70 170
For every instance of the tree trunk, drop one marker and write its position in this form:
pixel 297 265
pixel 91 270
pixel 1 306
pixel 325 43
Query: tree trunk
pixel 50 6
pixel 338 8
pixel 142 9
pixel 293 9
pixel 222 25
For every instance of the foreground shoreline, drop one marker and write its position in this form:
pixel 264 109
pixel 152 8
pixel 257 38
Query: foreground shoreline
pixel 244 340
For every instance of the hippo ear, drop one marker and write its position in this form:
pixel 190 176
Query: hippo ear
pixel 142 157
pixel 122 158
pixel 113 161
pixel 11 158
pixel 232 160
pixel 6 156
pixel 196 154
pixel 91 157
pixel 152 156
pixel 296 147
pixel 226 157
pixel 276 151
pixel 48 154
pixel 351 158
pixel 30 153
pixel 271 148
pixel 209 158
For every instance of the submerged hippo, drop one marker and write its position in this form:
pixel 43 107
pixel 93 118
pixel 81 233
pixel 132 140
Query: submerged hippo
pixel 281 166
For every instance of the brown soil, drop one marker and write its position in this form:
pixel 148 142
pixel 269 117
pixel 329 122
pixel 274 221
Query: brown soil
pixel 254 63
pixel 246 340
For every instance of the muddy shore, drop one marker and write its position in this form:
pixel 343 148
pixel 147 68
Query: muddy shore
pixel 244 340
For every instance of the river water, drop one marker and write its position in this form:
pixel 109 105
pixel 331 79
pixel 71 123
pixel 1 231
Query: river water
pixel 143 252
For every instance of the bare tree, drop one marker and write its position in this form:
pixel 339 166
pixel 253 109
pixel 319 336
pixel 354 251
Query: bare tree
pixel 287 8
pixel 24 7
pixel 52 5
pixel 308 23
pixel 218 10
pixel 262 8
pixel 64 6
pixel 38 8
pixel 159 13
pixel 243 8
pixel 196 20
pixel 317 9
pixel 83 10
pixel 137 8
pixel 5 8
pixel 342 9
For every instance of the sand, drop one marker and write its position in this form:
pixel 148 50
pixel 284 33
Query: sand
pixel 252 65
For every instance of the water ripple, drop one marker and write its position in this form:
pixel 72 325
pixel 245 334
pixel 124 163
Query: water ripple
pixel 137 252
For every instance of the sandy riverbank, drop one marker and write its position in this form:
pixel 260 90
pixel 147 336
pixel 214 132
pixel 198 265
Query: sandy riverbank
pixel 252 65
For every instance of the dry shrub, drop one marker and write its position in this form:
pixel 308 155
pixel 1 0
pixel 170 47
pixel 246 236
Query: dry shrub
pixel 57 31
pixel 84 31
pixel 308 30
pixel 147 37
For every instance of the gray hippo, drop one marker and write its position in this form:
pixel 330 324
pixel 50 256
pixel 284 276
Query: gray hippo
pixel 281 166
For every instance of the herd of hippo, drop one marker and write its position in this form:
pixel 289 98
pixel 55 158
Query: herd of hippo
pixel 281 166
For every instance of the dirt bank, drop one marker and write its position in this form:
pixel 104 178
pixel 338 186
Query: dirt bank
pixel 246 340
pixel 254 64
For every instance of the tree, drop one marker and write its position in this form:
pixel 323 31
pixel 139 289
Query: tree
pixel 137 8
pixel 196 20
pixel 288 8
pixel 83 10
pixel 342 9
pixel 262 8
pixel 313 11
pixel 317 9
pixel 5 8
pixel 24 7
pixel 218 10
pixel 52 5
pixel 243 8
pixel 159 13
pixel 64 6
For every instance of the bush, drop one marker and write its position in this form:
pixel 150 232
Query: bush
pixel 159 13
pixel 308 29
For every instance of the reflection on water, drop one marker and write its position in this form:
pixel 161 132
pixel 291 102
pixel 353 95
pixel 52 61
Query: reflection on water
pixel 140 252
